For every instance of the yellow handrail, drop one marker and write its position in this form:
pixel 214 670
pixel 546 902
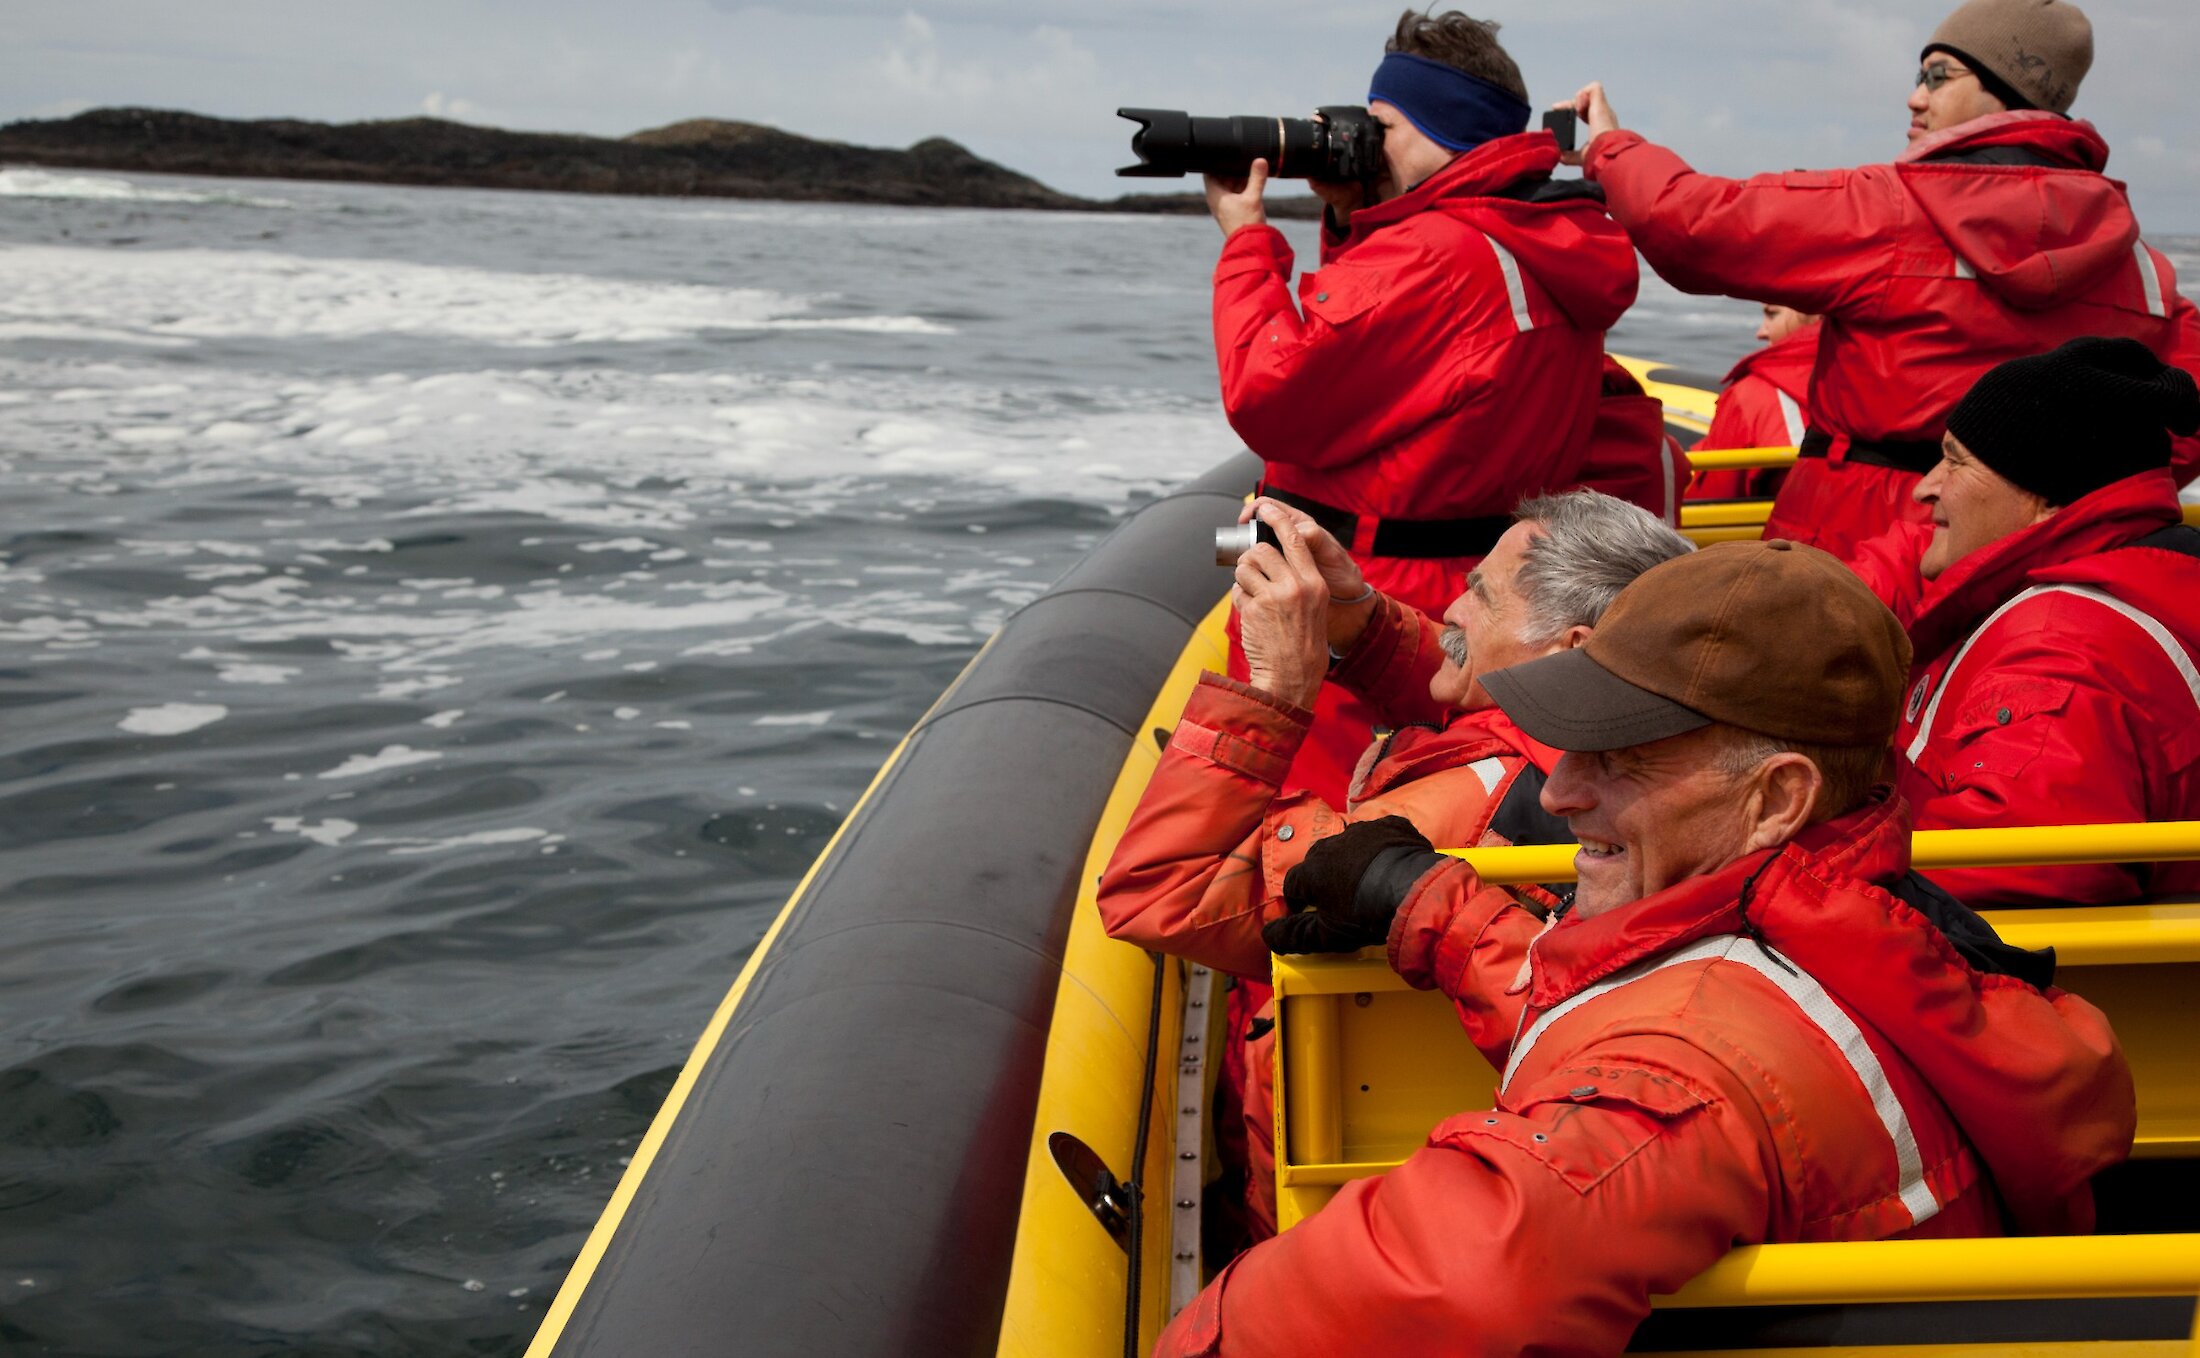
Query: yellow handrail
pixel 1740 459
pixel 2148 842
pixel 1947 1270
pixel 1725 513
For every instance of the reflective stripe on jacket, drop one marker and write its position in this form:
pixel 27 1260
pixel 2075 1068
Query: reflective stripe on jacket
pixel 1777 1051
pixel 2054 684
pixel 1928 271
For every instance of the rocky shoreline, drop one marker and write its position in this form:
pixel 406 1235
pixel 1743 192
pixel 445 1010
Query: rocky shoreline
pixel 701 157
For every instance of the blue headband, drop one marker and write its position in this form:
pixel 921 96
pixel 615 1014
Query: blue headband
pixel 1455 110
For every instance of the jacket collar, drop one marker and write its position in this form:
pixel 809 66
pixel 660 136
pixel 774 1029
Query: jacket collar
pixel 1471 735
pixel 1493 165
pixel 2071 139
pixel 1870 845
pixel 1981 582
pixel 1799 350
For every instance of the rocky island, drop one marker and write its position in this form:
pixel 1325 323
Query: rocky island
pixel 701 157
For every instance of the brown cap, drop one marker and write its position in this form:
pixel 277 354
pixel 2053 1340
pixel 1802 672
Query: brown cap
pixel 2039 48
pixel 1773 637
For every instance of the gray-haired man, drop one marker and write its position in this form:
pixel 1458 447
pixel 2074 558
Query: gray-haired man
pixel 1199 870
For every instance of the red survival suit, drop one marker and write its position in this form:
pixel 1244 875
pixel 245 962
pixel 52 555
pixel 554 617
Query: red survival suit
pixel 1765 403
pixel 1981 243
pixel 2054 684
pixel 1683 1075
pixel 1447 364
pixel 1200 867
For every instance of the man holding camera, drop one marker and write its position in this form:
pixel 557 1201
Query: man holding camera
pixel 1447 358
pixel 1994 235
pixel 1748 1027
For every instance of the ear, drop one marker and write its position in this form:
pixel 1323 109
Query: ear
pixel 1780 805
pixel 1574 636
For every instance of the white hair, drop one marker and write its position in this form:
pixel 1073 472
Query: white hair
pixel 1592 546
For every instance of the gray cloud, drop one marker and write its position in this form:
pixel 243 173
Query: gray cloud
pixel 1736 87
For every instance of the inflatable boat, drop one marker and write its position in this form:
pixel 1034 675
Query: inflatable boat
pixel 941 1113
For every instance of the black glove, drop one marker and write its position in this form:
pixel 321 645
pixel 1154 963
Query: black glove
pixel 1349 886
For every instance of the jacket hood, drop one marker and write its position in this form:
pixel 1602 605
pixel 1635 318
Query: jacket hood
pixel 2069 540
pixel 2151 579
pixel 2036 235
pixel 2034 1078
pixel 1556 230
pixel 1785 363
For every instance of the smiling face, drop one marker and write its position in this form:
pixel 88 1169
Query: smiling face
pixel 1408 155
pixel 1973 505
pixel 1649 816
pixel 1483 628
pixel 1958 99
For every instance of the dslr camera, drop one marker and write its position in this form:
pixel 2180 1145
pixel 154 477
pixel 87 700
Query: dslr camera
pixel 1341 142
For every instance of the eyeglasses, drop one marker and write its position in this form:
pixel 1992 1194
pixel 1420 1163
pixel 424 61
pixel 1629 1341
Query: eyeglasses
pixel 1939 73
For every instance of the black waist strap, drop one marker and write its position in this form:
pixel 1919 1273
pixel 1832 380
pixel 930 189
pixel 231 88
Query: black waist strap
pixel 1915 456
pixel 1430 538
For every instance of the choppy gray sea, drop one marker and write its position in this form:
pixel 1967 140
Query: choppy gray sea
pixel 436 630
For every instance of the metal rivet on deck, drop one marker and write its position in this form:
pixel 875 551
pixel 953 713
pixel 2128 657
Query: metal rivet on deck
pixel 1186 1203
pixel 1362 999
pixel 1185 1255
pixel 1187 1155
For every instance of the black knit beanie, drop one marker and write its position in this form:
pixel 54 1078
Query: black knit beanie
pixel 2067 422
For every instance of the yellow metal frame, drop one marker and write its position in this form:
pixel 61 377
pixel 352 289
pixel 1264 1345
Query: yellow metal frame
pixel 1343 1115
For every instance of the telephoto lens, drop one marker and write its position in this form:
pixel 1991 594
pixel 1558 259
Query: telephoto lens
pixel 1343 144
pixel 1238 539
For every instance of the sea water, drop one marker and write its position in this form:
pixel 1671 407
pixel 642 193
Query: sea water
pixel 437 627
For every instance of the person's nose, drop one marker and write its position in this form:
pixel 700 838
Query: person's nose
pixel 1919 96
pixel 1568 791
pixel 1927 489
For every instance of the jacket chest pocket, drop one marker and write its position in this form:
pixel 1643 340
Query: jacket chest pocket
pixel 1581 1122
pixel 1338 296
pixel 1998 732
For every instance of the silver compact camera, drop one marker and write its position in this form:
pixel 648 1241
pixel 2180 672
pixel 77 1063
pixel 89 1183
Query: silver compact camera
pixel 1239 538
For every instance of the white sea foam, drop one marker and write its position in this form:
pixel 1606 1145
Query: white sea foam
pixel 389 757
pixel 27 183
pixel 518 834
pixel 795 718
pixel 330 832
pixel 160 296
pixel 172 719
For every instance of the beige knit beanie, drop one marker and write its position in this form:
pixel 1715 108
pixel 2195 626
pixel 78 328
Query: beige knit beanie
pixel 2039 48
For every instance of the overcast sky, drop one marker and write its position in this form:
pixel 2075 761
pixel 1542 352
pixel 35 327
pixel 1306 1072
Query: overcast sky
pixel 1735 87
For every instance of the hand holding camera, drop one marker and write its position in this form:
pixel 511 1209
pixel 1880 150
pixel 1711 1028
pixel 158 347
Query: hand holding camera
pixel 1299 597
pixel 1596 118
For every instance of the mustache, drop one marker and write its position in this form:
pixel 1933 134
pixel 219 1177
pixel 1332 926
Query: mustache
pixel 1453 643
